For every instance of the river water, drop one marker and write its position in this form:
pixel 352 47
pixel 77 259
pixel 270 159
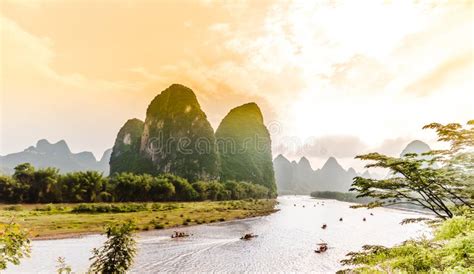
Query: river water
pixel 286 241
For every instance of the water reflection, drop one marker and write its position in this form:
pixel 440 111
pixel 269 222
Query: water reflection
pixel 286 242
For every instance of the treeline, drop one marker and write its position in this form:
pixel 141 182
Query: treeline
pixel 352 198
pixel 30 185
pixel 341 196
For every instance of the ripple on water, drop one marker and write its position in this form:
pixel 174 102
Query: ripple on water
pixel 286 241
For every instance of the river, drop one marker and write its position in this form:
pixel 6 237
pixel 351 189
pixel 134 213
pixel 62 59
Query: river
pixel 286 241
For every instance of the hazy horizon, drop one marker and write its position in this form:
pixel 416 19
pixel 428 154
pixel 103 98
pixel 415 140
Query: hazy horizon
pixel 350 77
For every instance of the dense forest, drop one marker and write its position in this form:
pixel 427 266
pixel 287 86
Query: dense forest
pixel 30 185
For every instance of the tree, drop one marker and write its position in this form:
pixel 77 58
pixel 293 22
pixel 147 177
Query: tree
pixel 161 189
pixel 118 252
pixel 212 190
pixel 84 186
pixel 184 190
pixel 14 244
pixel 440 181
pixel 450 250
pixel 62 266
pixel 10 190
pixel 45 187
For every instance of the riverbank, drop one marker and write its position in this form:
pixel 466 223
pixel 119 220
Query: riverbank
pixel 351 197
pixel 55 221
pixel 286 241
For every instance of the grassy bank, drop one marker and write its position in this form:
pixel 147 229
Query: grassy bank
pixel 66 220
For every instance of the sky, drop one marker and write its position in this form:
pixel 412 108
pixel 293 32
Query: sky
pixel 333 78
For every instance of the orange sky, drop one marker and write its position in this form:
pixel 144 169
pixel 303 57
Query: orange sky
pixel 352 76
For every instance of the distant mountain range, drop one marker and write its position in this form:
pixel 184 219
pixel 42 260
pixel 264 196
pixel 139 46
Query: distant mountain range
pixel 299 178
pixel 291 177
pixel 58 155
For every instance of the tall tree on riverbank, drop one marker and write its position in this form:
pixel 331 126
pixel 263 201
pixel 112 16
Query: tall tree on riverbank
pixel 440 181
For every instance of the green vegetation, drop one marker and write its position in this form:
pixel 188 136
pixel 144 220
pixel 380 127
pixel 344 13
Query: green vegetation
pixel 116 256
pixel 109 208
pixel 176 138
pixel 244 146
pixel 14 244
pixel 62 266
pixel 450 251
pixel 103 200
pixel 125 154
pixel 28 185
pixel 65 220
pixel 440 181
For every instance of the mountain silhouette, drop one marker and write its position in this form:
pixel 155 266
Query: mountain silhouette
pixel 300 178
pixel 244 147
pixel 415 146
pixel 58 155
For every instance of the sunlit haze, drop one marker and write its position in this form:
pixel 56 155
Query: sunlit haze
pixel 343 78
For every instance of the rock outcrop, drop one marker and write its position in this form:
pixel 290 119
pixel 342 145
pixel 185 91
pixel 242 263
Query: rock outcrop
pixel 126 151
pixel 244 147
pixel 175 138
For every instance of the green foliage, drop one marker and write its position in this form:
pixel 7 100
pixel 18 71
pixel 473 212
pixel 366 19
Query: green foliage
pixel 211 191
pixel 48 186
pixel 178 136
pixel 183 189
pixel 440 182
pixel 14 244
pixel 118 252
pixel 453 227
pixel 85 186
pixel 244 190
pixel 132 187
pixel 11 189
pixel 62 267
pixel 109 208
pixel 126 151
pixel 244 146
pixel 451 251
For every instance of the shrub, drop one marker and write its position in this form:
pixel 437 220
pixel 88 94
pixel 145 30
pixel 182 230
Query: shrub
pixel 109 208
pixel 118 252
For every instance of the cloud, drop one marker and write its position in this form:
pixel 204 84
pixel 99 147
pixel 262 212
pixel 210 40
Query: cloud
pixel 27 56
pixel 338 146
pixel 348 73
pixel 392 147
pixel 452 70
pixel 360 74
pixel 220 27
